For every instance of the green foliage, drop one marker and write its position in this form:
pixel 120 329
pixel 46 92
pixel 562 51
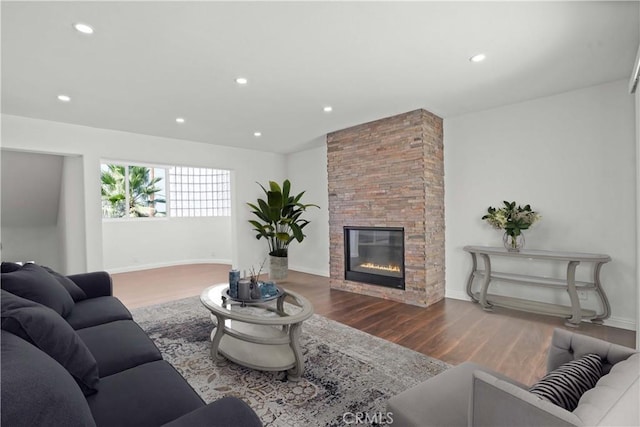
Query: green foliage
pixel 511 218
pixel 279 217
pixel 143 192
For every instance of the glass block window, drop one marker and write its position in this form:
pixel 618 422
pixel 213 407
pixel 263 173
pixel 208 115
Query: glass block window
pixel 198 192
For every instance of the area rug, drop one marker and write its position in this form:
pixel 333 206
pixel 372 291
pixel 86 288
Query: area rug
pixel 346 371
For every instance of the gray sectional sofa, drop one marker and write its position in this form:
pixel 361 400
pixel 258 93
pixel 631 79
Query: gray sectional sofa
pixel 73 356
pixel 472 395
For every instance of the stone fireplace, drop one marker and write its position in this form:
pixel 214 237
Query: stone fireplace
pixel 388 175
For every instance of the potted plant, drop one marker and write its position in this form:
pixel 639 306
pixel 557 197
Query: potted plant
pixel 279 222
pixel 512 219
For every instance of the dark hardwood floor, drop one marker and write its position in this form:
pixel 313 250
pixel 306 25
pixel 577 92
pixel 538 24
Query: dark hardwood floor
pixel 511 342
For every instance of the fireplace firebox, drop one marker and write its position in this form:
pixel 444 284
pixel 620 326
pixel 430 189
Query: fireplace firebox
pixel 374 255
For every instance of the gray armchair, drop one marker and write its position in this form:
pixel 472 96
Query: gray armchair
pixel 472 395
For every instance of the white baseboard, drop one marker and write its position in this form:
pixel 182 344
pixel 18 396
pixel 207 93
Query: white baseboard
pixel 620 322
pixel 140 267
pixel 322 273
pixel 461 295
pixel 166 264
pixel 615 322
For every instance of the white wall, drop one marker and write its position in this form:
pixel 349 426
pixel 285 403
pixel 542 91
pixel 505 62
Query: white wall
pixel 637 114
pixel 30 207
pixel 307 171
pixel 150 243
pixel 32 243
pixel 94 144
pixel 71 224
pixel 571 156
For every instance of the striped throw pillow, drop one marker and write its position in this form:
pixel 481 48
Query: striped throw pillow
pixel 565 385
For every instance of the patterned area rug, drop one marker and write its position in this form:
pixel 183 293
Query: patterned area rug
pixel 346 370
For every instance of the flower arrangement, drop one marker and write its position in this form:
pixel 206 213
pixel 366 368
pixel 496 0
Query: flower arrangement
pixel 512 219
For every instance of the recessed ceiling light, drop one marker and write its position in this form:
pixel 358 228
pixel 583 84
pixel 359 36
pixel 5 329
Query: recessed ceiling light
pixel 256 134
pixel 83 28
pixel 478 58
pixel 242 81
pixel 64 98
pixel 179 120
pixel 327 109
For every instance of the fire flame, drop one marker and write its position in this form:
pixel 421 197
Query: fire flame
pixel 393 268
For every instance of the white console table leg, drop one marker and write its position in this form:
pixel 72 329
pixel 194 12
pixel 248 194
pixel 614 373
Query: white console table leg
pixel 485 284
pixel 606 308
pixel 576 312
pixel 472 275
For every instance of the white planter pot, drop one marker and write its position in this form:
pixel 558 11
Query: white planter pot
pixel 278 267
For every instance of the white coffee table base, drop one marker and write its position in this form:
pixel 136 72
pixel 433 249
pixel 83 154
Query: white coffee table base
pixel 267 343
pixel 261 347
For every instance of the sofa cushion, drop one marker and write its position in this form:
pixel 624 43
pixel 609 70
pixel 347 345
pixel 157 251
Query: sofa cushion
pixel 36 390
pixel 614 399
pixel 118 346
pixel 96 311
pixel 34 283
pixel 228 411
pixel 8 267
pixel 74 290
pixel 147 395
pixel 50 333
pixel 565 385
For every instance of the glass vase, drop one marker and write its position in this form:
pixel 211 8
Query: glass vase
pixel 513 243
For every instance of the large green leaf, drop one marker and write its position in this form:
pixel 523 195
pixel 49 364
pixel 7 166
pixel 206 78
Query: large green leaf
pixel 286 187
pixel 297 198
pixel 264 207
pixel 297 232
pixel 273 186
pixel 275 200
pixel 284 237
pixel 261 228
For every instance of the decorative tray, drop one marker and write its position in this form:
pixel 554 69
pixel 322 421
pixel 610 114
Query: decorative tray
pixel 225 296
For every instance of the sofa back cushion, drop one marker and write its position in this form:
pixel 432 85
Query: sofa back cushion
pixel 567 346
pixel 36 284
pixel 8 267
pixel 614 399
pixel 36 390
pixel 74 290
pixel 49 332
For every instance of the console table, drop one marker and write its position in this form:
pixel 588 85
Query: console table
pixel 573 313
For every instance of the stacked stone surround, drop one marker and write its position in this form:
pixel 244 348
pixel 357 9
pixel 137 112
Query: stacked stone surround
pixel 390 173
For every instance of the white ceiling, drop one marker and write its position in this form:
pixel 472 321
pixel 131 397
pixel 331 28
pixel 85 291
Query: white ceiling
pixel 150 62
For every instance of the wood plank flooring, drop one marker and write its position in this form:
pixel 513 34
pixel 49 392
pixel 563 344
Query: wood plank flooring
pixel 511 342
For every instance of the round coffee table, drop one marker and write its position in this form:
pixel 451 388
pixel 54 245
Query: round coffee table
pixel 258 335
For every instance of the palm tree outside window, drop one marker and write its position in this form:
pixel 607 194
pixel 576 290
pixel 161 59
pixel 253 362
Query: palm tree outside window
pixel 133 191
